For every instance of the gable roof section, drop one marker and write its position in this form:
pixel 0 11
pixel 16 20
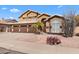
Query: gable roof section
pixel 29 11
pixel 43 14
pixel 55 16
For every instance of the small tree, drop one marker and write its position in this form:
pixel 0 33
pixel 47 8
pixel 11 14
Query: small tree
pixel 39 26
pixel 69 23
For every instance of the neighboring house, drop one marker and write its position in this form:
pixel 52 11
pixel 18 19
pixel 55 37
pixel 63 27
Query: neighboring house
pixel 76 30
pixel 2 27
pixel 11 20
pixel 4 24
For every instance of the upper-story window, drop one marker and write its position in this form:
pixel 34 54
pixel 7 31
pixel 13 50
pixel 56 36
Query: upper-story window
pixel 43 19
pixel 24 17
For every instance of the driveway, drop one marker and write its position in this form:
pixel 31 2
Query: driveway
pixel 32 43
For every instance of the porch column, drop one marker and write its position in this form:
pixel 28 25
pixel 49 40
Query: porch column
pixel 12 28
pixel 27 28
pixel 19 28
pixel 7 29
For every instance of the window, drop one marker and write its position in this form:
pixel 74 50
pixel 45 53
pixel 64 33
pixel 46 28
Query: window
pixel 43 19
pixel 24 17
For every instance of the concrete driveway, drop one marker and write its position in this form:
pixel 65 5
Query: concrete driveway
pixel 13 41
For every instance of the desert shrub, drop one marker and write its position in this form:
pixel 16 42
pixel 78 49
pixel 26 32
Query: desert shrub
pixel 77 34
pixel 53 40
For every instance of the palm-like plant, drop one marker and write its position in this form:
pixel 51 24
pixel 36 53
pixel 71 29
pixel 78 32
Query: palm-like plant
pixel 38 26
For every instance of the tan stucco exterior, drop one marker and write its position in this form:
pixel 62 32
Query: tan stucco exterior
pixel 30 17
pixel 47 27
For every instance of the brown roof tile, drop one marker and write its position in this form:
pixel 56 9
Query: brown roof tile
pixel 55 16
pixel 43 14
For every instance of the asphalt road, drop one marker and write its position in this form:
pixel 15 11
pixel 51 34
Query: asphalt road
pixel 7 51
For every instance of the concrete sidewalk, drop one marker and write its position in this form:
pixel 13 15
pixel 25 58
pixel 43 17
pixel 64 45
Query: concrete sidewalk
pixel 9 41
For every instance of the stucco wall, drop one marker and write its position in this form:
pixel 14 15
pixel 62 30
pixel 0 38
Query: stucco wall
pixel 47 27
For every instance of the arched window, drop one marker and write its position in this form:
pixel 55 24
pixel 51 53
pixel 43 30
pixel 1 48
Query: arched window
pixel 43 19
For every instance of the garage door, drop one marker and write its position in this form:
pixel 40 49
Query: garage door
pixel 56 26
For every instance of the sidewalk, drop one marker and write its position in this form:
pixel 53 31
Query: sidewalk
pixel 9 41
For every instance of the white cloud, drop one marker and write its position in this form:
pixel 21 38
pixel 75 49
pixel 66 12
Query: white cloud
pixel 14 10
pixel 3 8
pixel 11 17
pixel 59 6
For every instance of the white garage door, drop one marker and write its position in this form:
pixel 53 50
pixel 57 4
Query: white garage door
pixel 56 26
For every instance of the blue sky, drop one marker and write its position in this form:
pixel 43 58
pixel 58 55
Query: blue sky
pixel 14 11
